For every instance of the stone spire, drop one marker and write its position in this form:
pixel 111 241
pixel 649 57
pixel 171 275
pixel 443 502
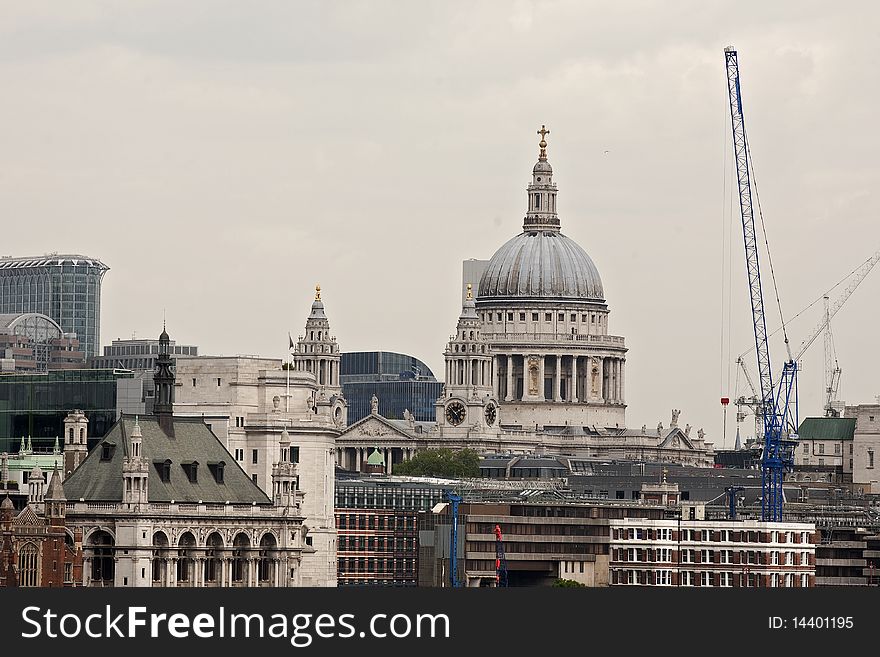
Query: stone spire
pixel 284 475
pixel 135 471
pixel 317 351
pixel 541 214
pixel 163 377
pixel 55 499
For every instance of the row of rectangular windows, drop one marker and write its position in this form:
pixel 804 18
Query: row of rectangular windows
pixel 548 317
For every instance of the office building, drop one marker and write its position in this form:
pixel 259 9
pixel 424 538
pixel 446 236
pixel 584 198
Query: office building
pixel 66 288
pixel 32 342
pixel 401 383
pixel 33 406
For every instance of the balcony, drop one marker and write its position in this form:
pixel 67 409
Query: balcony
pixel 537 339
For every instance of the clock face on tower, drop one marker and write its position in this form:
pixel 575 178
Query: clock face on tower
pixel 455 413
pixel 491 414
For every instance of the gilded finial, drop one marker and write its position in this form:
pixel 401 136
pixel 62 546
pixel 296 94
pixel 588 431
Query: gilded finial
pixel 318 292
pixel 543 143
pixel 470 292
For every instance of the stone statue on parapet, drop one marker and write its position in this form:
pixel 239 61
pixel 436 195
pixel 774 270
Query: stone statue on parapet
pixel 675 414
pixel 374 405
pixel 687 430
pixel 660 429
pixel 700 433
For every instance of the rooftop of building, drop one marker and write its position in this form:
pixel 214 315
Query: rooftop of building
pixel 827 428
pixel 50 260
pixel 99 477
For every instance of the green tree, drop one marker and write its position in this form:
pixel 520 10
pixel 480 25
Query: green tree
pixel 441 463
pixel 568 583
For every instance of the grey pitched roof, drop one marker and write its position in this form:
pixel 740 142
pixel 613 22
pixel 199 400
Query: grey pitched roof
pixel 97 480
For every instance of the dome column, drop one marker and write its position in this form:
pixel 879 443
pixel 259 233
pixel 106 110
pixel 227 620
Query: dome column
pixel 509 392
pixel 542 363
pixel 574 379
pixel 622 380
pixel 557 380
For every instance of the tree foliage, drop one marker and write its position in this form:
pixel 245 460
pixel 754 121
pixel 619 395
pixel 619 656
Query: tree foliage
pixel 568 583
pixel 441 463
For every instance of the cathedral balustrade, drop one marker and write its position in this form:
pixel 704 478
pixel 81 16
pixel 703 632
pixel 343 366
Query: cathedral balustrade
pixel 555 338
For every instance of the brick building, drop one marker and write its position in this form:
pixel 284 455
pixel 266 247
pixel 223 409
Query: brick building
pixel 36 548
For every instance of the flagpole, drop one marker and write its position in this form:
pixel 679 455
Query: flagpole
pixel 287 396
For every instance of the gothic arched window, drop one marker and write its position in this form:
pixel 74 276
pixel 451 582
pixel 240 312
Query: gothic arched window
pixel 28 565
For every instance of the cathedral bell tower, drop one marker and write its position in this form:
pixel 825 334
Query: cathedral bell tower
pixel 468 404
pixel 317 352
pixel 285 489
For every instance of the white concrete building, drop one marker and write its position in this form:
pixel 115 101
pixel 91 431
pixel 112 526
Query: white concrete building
pixel 249 402
pixel 866 447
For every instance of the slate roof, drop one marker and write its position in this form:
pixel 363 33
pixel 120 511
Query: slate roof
pixel 97 480
pixel 827 428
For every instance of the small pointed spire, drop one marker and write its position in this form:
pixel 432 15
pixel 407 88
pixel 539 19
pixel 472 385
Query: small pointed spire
pixel 137 428
pixel 22 447
pixel 30 446
pixel 56 449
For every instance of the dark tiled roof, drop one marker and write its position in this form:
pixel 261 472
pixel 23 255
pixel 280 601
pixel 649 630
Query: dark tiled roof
pixel 97 480
pixel 827 428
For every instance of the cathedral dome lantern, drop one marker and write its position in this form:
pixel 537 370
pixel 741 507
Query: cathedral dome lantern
pixel 541 263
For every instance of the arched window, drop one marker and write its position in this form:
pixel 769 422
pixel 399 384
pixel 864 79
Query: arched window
pixel 103 558
pixel 70 435
pixel 239 557
pixel 160 557
pixel 185 548
pixel 28 565
pixel 213 548
pixel 82 436
pixel 267 553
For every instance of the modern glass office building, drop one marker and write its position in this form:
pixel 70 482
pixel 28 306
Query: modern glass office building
pixel 33 406
pixel 66 288
pixel 399 381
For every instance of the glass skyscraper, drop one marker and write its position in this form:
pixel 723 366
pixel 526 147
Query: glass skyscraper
pixel 66 288
pixel 399 381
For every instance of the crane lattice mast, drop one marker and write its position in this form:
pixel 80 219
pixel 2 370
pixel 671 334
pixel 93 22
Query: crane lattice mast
pixel 774 404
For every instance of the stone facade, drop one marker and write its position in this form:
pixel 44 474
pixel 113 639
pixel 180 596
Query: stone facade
pixel 866 447
pixel 249 402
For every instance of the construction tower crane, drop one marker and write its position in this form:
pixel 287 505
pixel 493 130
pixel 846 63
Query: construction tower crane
pixel 500 559
pixel 454 500
pixel 778 416
pixel 832 370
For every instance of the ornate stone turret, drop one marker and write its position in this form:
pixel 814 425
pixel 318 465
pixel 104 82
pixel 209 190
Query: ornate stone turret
pixel 4 468
pixel 468 401
pixel 163 378
pixel 542 193
pixel 316 351
pixel 56 502
pixel 284 476
pixel 135 472
pixel 76 448
pixel 36 486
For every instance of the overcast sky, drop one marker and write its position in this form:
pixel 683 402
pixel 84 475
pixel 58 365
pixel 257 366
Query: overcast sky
pixel 223 157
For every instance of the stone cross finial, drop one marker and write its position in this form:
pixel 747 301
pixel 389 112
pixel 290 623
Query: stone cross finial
pixel 543 143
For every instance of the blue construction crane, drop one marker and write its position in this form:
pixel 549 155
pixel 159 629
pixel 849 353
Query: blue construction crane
pixel 454 499
pixel 778 407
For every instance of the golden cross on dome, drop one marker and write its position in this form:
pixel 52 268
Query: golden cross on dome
pixel 318 292
pixel 543 143
pixel 470 293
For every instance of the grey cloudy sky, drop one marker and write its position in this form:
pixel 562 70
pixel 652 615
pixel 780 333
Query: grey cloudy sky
pixel 223 157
